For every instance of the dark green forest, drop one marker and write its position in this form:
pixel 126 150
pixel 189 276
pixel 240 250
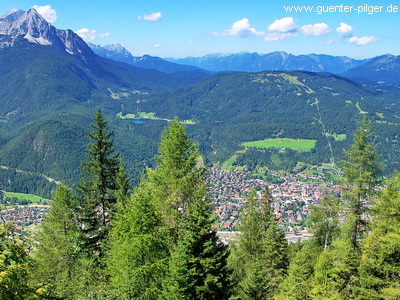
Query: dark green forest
pixel 43 126
pixel 104 239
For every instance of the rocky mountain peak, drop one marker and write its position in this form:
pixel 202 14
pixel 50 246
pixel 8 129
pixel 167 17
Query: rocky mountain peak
pixel 33 27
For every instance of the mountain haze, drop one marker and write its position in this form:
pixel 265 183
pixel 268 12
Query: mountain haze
pixel 385 68
pixel 119 53
pixel 275 61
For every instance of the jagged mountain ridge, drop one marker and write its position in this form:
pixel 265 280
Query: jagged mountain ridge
pixel 42 66
pixel 384 68
pixel 33 27
pixel 114 52
pixel 275 61
pixel 119 53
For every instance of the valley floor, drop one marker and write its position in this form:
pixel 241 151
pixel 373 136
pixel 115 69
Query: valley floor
pixel 293 198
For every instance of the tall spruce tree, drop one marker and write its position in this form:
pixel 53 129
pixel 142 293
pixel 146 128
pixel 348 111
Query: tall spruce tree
pixel 177 179
pixel 362 177
pixel 259 256
pixel 197 262
pixel 198 265
pixel 97 189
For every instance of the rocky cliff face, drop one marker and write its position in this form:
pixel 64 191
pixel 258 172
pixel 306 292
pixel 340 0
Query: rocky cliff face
pixel 33 27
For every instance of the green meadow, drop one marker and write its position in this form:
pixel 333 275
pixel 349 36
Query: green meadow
pixel 29 197
pixel 295 144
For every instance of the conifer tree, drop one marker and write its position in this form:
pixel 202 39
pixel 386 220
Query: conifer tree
pixel 297 283
pixel 362 177
pixel 335 272
pixel 164 232
pixel 198 265
pixel 380 261
pixel 97 189
pixel 259 256
pixel 56 254
pixel 177 179
pixel 138 253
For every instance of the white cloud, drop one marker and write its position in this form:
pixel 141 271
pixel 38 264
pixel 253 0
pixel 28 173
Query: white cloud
pixel 344 30
pixel 241 28
pixel 320 29
pixel 151 17
pixel 90 34
pixel 362 41
pixel 329 42
pixel 157 45
pixel 49 14
pixel 278 36
pixel 283 25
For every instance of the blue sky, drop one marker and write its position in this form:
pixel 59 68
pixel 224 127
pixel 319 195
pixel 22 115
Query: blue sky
pixel 196 28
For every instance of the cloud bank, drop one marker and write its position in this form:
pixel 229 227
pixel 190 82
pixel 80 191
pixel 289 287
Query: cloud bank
pixel 362 41
pixel 154 17
pixel 320 29
pixel 281 29
pixel 241 28
pixel 49 14
pixel 90 34
pixel 283 25
pixel 344 30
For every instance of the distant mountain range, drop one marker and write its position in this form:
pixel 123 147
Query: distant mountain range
pixel 52 82
pixel 119 53
pixel 275 61
pixel 385 68
pixel 382 69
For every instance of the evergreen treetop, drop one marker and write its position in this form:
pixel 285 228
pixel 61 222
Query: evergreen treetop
pixel 98 188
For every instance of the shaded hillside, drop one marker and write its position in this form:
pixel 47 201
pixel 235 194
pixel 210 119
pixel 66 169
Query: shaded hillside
pixel 230 109
pixel 385 68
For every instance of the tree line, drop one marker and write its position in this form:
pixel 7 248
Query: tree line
pixel 104 240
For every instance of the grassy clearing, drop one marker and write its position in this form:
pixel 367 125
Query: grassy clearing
pixel 126 117
pixel 146 115
pixel 150 116
pixel 337 137
pixel 360 110
pixel 29 197
pixel 228 165
pixel 294 144
pixel 140 115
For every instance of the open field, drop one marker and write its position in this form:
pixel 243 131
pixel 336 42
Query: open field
pixel 150 116
pixel 295 144
pixel 227 166
pixel 29 197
